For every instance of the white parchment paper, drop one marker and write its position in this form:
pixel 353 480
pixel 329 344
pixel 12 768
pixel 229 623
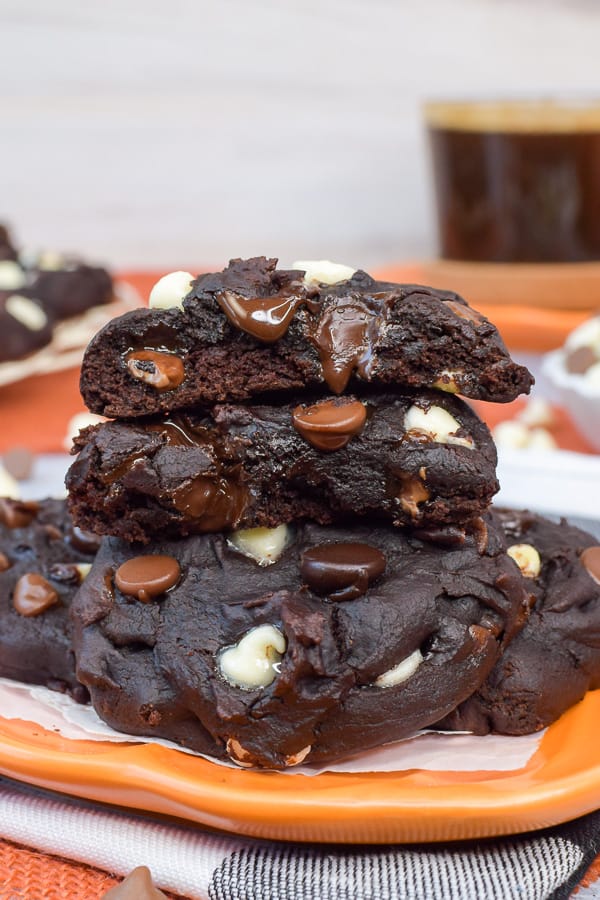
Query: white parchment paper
pixel 434 751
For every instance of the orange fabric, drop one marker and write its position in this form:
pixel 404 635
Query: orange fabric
pixel 32 875
pixel 34 413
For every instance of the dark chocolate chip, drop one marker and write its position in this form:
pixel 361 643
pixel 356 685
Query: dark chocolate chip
pixel 66 573
pixel 81 540
pixel 33 595
pixel 145 577
pixel 137 886
pixel 265 318
pixel 341 571
pixel 330 424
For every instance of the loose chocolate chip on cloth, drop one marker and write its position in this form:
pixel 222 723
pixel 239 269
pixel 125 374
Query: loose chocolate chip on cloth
pixel 555 659
pixel 411 458
pixel 271 665
pixel 254 328
pixel 41 569
pixel 194 863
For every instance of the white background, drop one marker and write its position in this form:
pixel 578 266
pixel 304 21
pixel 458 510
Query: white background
pixel 161 133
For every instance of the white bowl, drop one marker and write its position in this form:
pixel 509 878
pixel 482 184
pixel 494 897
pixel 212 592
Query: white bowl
pixel 579 396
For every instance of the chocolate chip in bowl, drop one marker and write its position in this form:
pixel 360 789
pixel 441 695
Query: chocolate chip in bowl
pixel 574 373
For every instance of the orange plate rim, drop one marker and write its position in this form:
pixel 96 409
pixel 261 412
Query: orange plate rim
pixel 560 782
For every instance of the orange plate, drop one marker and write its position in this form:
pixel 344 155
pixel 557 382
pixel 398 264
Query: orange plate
pixel 560 782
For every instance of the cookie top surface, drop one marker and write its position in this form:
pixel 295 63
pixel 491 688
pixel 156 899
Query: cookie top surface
pixel 408 458
pixel 350 637
pixel 39 553
pixel 254 328
pixel 70 287
pixel 556 658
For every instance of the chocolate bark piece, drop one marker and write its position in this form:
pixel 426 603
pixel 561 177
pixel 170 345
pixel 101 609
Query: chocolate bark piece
pixel 38 579
pixel 555 659
pixel 249 662
pixel 24 324
pixel 71 288
pixel 417 459
pixel 254 328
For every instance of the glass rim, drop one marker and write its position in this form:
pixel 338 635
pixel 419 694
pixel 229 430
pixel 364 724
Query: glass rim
pixel 543 114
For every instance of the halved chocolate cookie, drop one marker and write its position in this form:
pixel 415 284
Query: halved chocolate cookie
pixel 254 328
pixel 407 458
pixel 271 647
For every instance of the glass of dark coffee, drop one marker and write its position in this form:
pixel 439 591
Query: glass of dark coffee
pixel 517 181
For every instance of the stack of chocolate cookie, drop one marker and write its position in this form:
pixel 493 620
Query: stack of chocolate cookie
pixel 299 561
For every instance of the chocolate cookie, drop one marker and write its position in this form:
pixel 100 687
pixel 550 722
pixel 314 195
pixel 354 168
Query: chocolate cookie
pixel 43 560
pixel 70 287
pixel 254 328
pixel 24 324
pixel 556 658
pixel 412 459
pixel 278 646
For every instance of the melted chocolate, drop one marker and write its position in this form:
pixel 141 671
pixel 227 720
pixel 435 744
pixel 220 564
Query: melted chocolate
pixel 33 595
pixel 590 559
pixel 17 513
pixel 145 577
pixel 410 491
pixel 216 503
pixel 163 371
pixel 344 337
pixel 265 318
pixel 330 424
pixel 341 571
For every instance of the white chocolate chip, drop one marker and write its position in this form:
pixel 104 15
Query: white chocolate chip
pixel 77 423
pixel 50 261
pixel 83 569
pixel 438 423
pixel 537 412
pixel 402 672
pixel 296 758
pixel 9 487
pixel 541 439
pixel 12 276
pixel 26 311
pixel 527 558
pixel 263 545
pixel 322 271
pixel 254 661
pixel 446 381
pixel 169 291
pixel 511 434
